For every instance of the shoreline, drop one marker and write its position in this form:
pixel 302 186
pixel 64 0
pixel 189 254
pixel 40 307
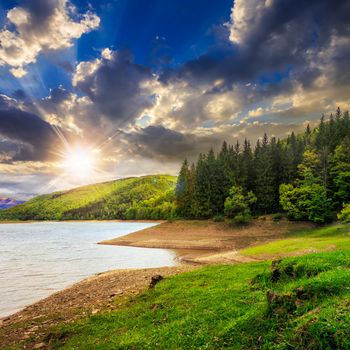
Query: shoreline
pixel 100 292
pixel 207 242
pixel 195 243
pixel 69 285
pixel 79 221
pixel 191 253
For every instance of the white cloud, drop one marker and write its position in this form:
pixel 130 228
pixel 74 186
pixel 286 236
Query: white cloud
pixel 107 54
pixel 120 89
pixel 256 112
pixel 84 69
pixel 29 37
pixel 18 72
pixel 244 16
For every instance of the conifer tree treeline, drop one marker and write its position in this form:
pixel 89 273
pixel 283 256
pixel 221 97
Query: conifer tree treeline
pixel 315 167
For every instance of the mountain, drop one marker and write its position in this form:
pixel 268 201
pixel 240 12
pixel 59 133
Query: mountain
pixel 146 197
pixel 7 202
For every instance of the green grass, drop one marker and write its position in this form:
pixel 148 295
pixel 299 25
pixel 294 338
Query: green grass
pixel 226 307
pixel 132 198
pixel 305 241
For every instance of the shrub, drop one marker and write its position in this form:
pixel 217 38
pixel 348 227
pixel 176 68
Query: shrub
pixel 218 218
pixel 306 202
pixel 242 218
pixel 237 205
pixel 344 215
pixel 277 217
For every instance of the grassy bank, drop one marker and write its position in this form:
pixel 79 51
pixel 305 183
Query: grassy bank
pixel 298 303
pixel 298 242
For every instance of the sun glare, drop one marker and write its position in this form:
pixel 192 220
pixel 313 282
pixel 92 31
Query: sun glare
pixel 79 162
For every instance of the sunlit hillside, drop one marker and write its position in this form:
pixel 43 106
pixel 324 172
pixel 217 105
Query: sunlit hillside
pixel 131 198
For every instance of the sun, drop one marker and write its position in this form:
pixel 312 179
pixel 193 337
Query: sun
pixel 79 162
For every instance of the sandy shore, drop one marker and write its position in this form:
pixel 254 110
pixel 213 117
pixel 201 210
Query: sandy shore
pixel 195 242
pixel 203 242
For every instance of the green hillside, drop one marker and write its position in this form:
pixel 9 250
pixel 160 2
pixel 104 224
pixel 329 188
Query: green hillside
pixel 147 197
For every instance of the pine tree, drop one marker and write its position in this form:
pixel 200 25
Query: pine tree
pixel 321 137
pixel 340 174
pixel 307 136
pixel 247 174
pixel 264 182
pixel 332 133
pixel 339 125
pixel 236 161
pixel 277 171
pixel 201 189
pixel 225 172
pixel 287 167
pixel 345 125
pixel 183 191
pixel 297 150
pixel 216 178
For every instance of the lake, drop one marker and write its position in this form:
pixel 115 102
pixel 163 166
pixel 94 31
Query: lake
pixel 38 259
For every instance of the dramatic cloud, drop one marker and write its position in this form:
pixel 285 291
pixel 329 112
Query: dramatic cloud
pixel 274 35
pixel 25 136
pixel 119 88
pixel 244 16
pixel 290 59
pixel 257 21
pixel 181 105
pixel 39 26
pixel 167 145
pixel 161 143
pixel 66 110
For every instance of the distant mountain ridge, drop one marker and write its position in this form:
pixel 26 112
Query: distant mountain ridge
pixel 146 197
pixel 7 202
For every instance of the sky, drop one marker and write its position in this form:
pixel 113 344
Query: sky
pixel 97 90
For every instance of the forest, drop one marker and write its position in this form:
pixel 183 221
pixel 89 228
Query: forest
pixel 307 176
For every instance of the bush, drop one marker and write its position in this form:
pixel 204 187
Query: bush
pixel 237 205
pixel 242 218
pixel 306 202
pixel 344 215
pixel 218 218
pixel 277 217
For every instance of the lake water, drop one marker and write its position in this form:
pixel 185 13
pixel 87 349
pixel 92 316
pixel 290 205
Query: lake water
pixel 38 259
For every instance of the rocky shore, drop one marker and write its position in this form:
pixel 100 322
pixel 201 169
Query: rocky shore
pixel 32 326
